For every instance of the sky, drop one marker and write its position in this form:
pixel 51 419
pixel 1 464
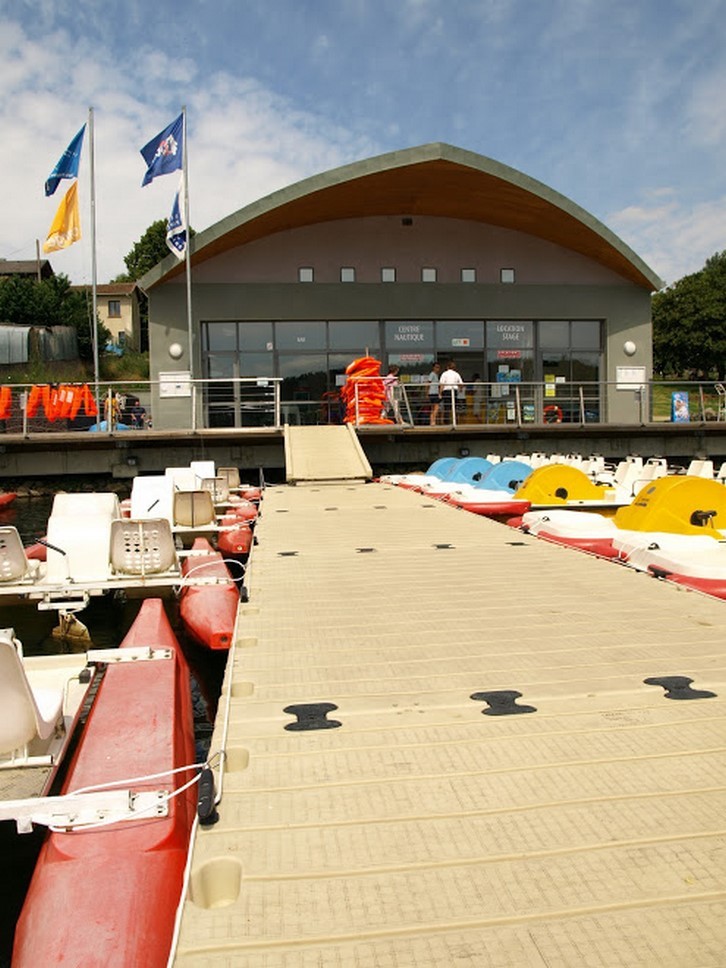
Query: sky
pixel 617 105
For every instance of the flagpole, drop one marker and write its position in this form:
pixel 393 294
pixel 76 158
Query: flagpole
pixel 185 173
pixel 94 292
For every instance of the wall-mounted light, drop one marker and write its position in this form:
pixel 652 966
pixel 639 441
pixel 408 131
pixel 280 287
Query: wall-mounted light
pixel 176 351
pixel 629 347
pixel 463 452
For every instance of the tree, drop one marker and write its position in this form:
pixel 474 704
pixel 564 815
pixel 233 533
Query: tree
pixel 147 252
pixel 689 324
pixel 50 302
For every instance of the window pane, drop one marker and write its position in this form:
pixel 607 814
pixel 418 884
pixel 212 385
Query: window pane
pixel 428 275
pixel 356 336
pixel 221 336
pixel 585 366
pixel 255 336
pixel 304 377
pixel 586 334
pixel 554 334
pixel 468 275
pixel 388 274
pixel 347 274
pixel 256 364
pixel 413 337
pixel 300 336
pixel 305 274
pixel 460 334
pixel 509 335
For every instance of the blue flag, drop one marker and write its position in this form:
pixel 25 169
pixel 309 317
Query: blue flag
pixel 176 231
pixel 165 152
pixel 68 162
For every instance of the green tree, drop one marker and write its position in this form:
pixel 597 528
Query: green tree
pixel 50 302
pixel 147 252
pixel 689 324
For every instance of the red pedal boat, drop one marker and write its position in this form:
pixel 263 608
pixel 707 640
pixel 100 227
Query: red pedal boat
pixel 107 895
pixel 208 611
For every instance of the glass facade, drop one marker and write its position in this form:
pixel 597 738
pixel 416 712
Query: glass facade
pixel 557 363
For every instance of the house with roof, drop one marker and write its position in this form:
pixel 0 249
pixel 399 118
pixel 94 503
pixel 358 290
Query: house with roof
pixel 424 254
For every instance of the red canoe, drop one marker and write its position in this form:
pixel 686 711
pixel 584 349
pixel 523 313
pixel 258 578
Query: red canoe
pixel 7 497
pixel 108 896
pixel 208 612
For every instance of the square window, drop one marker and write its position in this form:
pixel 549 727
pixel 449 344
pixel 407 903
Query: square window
pixel 388 274
pixel 428 275
pixel 305 274
pixel 468 275
pixel 114 307
pixel 506 275
pixel 347 274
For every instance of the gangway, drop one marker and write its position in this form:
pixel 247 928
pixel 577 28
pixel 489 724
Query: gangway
pixel 317 454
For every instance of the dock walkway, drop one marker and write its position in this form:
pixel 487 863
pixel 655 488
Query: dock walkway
pixel 497 784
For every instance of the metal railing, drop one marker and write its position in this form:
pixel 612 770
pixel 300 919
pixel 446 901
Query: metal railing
pixel 233 404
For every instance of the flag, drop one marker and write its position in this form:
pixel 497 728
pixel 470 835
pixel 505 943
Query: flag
pixel 176 230
pixel 68 162
pixel 66 227
pixel 165 152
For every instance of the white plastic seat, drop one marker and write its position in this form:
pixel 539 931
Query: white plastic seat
pixel 182 478
pixel 152 497
pixel 217 487
pixel 142 547
pixel 193 509
pixel 26 714
pixel 14 564
pixel 79 536
pixel 203 468
pixel 700 468
pixel 231 476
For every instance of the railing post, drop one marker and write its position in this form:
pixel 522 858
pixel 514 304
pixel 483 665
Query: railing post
pixel 276 392
pixel 517 405
pixel 582 405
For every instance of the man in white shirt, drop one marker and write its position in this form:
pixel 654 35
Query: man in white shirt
pixel 450 383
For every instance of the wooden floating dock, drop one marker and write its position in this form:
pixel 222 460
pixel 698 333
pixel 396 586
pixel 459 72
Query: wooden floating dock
pixel 442 749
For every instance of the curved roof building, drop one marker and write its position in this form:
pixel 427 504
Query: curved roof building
pixel 412 256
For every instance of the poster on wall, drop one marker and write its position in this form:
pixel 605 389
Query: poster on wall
pixel 680 412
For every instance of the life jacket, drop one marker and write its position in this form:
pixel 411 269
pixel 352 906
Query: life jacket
pixel 6 402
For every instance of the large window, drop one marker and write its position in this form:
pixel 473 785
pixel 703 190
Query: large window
pixel 303 336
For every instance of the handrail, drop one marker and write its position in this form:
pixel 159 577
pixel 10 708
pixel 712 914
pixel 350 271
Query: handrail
pixel 242 402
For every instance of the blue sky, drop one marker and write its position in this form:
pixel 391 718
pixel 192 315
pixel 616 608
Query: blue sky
pixel 618 105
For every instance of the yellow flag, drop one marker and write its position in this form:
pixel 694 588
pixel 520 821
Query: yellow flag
pixel 66 227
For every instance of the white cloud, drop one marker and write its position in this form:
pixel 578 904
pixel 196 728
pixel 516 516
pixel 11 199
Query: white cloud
pixel 244 142
pixel 673 237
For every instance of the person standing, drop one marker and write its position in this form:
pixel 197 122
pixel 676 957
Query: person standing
pixel 450 385
pixel 391 386
pixel 434 394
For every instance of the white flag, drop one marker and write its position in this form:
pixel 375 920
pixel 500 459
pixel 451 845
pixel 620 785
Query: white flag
pixel 176 230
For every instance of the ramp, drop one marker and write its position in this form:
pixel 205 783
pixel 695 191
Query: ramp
pixel 315 454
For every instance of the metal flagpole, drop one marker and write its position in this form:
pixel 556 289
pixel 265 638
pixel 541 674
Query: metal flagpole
pixel 185 172
pixel 94 295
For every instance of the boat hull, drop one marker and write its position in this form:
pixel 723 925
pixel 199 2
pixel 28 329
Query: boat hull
pixel 108 896
pixel 209 612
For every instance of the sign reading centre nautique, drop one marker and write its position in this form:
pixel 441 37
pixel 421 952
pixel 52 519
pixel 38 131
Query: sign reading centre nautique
pixel 405 334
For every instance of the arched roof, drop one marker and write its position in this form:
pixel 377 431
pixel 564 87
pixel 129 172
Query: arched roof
pixel 435 179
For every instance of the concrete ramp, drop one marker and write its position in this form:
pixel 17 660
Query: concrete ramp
pixel 315 454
